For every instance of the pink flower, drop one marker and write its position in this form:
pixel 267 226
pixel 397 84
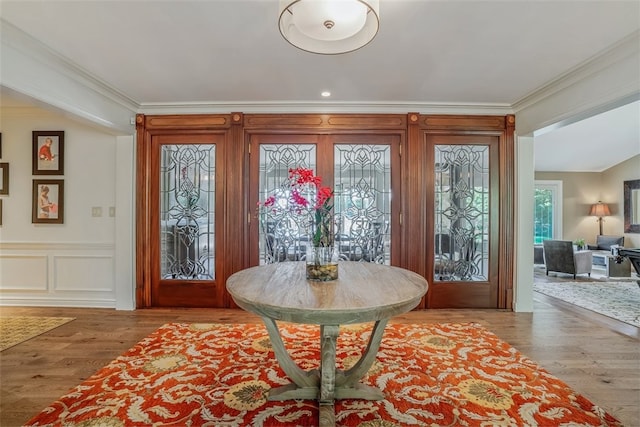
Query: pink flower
pixel 303 181
pixel 324 194
pixel 299 199
pixel 303 176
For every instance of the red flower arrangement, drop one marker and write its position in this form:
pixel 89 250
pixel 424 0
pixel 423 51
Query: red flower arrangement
pixel 305 187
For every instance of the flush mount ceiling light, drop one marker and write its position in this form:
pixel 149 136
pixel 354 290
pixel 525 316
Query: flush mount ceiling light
pixel 329 26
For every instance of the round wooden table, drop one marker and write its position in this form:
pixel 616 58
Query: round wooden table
pixel 364 292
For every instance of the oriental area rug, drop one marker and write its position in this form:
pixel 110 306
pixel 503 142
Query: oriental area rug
pixel 14 330
pixel 618 300
pixel 220 375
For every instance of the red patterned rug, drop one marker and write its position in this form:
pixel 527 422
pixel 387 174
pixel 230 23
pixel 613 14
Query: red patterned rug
pixel 220 375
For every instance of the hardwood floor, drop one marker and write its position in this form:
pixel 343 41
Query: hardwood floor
pixel 597 359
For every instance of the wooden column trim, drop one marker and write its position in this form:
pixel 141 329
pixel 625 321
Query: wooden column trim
pixel 507 220
pixel 143 258
pixel 236 204
pixel 414 215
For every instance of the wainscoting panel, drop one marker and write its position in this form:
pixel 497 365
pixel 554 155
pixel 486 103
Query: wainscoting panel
pixel 22 272
pixel 83 273
pixel 57 274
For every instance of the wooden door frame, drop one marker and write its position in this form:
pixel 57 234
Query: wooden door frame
pixel 502 127
pixel 147 128
pixel 477 294
pixel 410 128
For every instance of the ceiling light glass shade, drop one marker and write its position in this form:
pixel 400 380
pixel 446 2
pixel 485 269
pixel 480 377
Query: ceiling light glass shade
pixel 329 26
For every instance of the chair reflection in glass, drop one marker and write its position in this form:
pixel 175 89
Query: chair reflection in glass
pixel 284 241
pixel 363 240
pixel 456 255
pixel 443 259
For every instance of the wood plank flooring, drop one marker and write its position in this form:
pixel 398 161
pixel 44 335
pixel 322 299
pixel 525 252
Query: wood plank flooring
pixel 598 359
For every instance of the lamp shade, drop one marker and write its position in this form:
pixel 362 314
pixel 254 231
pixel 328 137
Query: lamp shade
pixel 329 26
pixel 600 209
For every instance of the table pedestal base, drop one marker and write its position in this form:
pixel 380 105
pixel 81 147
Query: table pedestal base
pixel 328 383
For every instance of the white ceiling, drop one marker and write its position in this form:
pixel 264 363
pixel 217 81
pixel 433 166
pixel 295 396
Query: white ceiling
pixel 591 145
pixel 427 52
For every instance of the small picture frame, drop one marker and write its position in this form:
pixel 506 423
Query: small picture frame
pixel 48 153
pixel 4 179
pixel 47 201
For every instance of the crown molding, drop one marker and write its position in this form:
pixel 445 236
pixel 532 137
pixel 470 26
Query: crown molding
pixel 13 36
pixel 623 49
pixel 288 107
pixel 607 80
pixel 594 110
pixel 35 71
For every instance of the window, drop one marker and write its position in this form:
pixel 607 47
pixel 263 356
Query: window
pixel 547 216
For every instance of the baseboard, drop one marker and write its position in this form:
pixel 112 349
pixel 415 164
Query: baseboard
pixel 49 302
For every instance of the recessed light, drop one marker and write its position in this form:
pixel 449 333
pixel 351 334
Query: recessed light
pixel 326 94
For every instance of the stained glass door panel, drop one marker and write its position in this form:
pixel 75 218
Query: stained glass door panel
pixel 463 221
pixel 282 233
pixel 187 212
pixel 461 227
pixel 361 177
pixel 362 188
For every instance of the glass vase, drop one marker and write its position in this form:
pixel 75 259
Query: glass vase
pixel 322 263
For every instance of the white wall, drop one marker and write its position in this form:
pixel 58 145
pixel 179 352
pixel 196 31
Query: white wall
pixel 70 264
pixel 523 287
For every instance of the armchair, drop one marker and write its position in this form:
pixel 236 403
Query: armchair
pixel 560 257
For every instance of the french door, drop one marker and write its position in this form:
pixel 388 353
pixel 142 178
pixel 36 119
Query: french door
pixel 363 171
pixel 464 210
pixel 186 226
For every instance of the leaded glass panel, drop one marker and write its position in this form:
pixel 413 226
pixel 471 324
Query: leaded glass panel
pixel 362 188
pixel 187 211
pixel 283 234
pixel 461 246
